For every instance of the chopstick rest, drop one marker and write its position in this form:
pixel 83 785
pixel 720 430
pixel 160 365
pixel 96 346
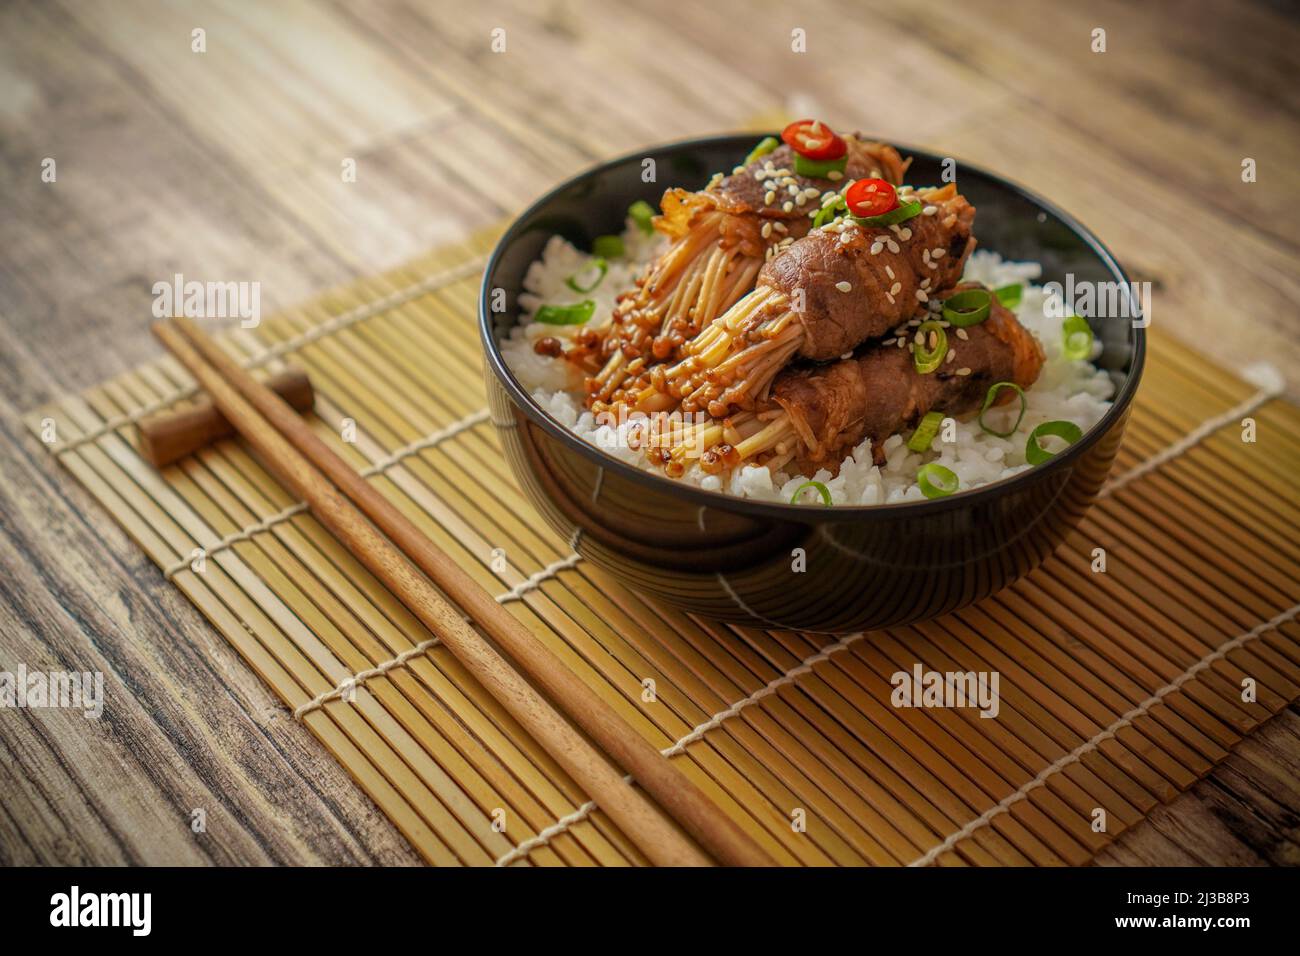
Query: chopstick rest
pixel 169 436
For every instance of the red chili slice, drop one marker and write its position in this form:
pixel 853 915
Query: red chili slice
pixel 814 139
pixel 871 197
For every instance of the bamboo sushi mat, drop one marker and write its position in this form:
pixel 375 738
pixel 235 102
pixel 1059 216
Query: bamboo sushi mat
pixel 1118 689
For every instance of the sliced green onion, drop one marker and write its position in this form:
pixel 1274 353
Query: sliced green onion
pixel 1036 454
pixel 927 360
pixel 765 146
pixel 818 168
pixel 607 247
pixel 896 215
pixel 828 212
pixel 575 314
pixel 1076 338
pixel 821 490
pixel 988 403
pixel 936 481
pixel 1009 295
pixel 601 267
pixel 968 307
pixel 641 212
pixel 925 432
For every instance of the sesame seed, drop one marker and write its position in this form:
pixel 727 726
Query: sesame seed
pixel 769 198
pixel 835 175
pixel 929 210
pixel 738 170
pixel 925 283
pixel 890 297
pixel 846 355
pixel 890 341
pixel 780 227
pixel 889 271
pixel 919 338
pixel 963 371
pixel 875 248
pixel 963 335
pixel 787 206
pixel 952 354
pixel 794 189
pixel 812 192
pixel 902 343
pixel 893 246
pixel 938 253
pixel 921 296
pixel 844 286
pixel 895 288
pixel 845 237
pixel 766 230
pixel 905 234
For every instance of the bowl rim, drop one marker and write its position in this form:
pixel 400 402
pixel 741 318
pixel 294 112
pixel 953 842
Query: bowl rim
pixel 785 510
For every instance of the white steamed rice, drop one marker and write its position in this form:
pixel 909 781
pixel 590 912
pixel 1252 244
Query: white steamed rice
pixel 1073 390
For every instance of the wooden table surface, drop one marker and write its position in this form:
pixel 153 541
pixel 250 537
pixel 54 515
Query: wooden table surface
pixel 226 165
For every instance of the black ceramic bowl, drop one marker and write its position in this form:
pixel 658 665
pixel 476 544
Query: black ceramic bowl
pixel 799 566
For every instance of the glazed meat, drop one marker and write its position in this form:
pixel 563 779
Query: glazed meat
pixel 880 392
pixel 747 191
pixel 860 282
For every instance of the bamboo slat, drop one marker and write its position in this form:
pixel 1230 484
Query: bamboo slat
pixel 1118 690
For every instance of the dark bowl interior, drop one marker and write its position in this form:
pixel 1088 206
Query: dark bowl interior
pixel 799 566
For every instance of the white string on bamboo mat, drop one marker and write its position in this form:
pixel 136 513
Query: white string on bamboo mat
pixel 545 836
pixel 360 677
pixel 339 322
pixel 514 594
pixel 350 683
pixel 1088 746
pixel 398 456
pixel 424 444
pixel 370 309
pixel 534 581
pixel 679 746
pixel 1271 389
pixel 243 534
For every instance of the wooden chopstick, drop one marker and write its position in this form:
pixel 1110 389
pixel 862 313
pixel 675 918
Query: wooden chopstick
pixel 323 479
